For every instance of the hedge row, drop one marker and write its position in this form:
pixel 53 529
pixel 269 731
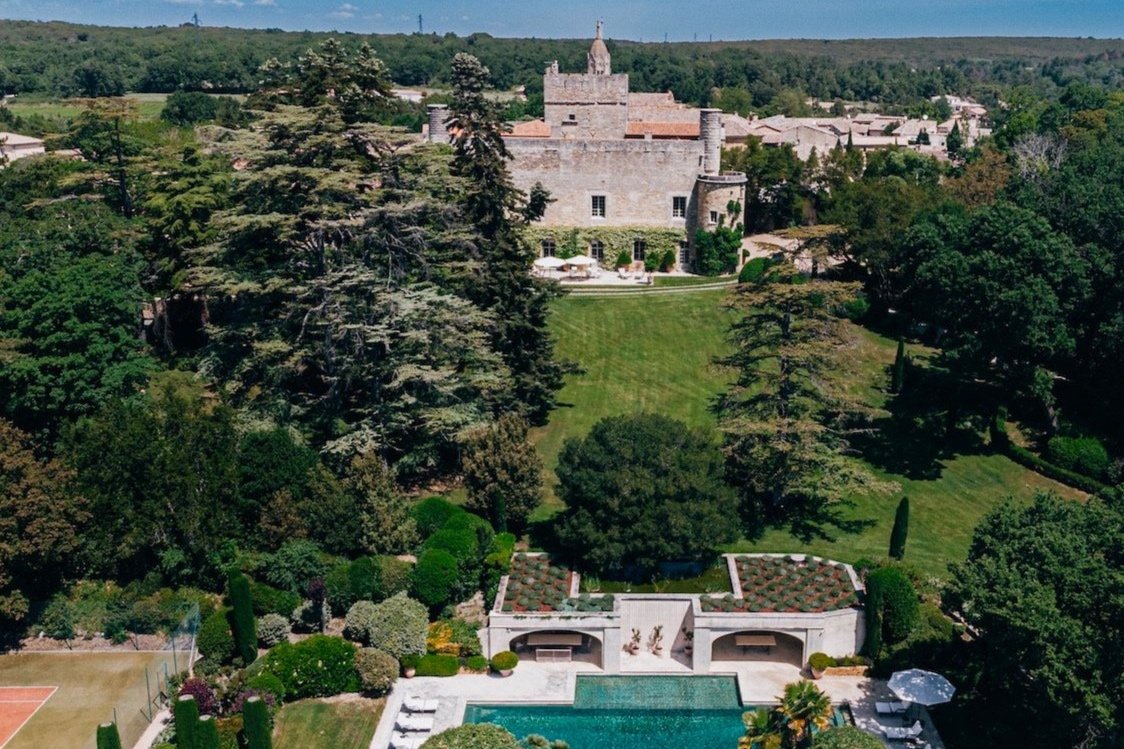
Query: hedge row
pixel 1035 462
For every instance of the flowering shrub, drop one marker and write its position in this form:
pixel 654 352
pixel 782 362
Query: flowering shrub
pixel 204 696
pixel 320 666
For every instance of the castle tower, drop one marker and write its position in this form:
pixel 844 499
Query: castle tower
pixel 600 63
pixel 438 116
pixel 710 129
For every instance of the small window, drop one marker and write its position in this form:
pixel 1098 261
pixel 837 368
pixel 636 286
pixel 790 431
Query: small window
pixel 549 248
pixel 598 207
pixel 573 117
pixel 679 207
pixel 597 250
pixel 639 249
pixel 714 217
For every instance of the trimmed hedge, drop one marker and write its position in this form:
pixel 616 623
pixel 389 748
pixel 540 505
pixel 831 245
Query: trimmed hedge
pixel 477 663
pixel 1034 462
pixel 438 665
pixel 107 736
pixel 1084 455
pixel 242 622
pixel 270 600
pixel 186 716
pixel 900 605
pixel 256 728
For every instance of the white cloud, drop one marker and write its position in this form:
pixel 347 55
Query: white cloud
pixel 184 2
pixel 234 3
pixel 269 3
pixel 347 10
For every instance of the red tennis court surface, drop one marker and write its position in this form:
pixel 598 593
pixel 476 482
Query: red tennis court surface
pixel 17 705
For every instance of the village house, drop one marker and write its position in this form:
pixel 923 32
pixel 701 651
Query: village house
pixel 14 146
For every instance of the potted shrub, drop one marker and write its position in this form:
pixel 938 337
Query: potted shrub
pixel 657 639
pixel 818 663
pixel 689 636
pixel 504 662
pixel 634 643
pixel 410 665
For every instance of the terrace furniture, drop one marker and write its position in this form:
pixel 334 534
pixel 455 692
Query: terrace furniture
pixel 412 723
pixel 890 708
pixel 402 741
pixel 902 734
pixel 416 705
pixel 756 643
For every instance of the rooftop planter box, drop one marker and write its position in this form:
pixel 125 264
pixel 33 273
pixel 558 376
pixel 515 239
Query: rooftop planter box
pixel 786 585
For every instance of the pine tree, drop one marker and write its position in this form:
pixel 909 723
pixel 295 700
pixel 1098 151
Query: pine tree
pixel 242 622
pixel 186 715
pixel 207 733
pixel 897 375
pixel 255 721
pixel 901 530
pixel 108 737
pixel 499 212
pixel 955 140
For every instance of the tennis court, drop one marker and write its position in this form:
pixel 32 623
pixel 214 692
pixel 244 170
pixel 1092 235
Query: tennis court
pixel 85 689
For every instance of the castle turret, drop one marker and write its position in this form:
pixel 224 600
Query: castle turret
pixel 438 116
pixel 600 63
pixel 710 130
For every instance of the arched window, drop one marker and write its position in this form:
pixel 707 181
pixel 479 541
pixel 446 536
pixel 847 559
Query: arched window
pixel 549 248
pixel 597 250
pixel 639 249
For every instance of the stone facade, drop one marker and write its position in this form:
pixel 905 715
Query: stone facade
pixel 611 158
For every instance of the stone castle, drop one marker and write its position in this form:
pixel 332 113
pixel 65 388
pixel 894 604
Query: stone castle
pixel 634 173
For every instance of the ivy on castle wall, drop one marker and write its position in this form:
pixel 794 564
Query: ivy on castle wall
pixel 572 241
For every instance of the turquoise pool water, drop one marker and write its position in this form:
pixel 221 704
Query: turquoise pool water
pixel 632 712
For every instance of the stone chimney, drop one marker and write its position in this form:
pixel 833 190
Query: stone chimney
pixel 438 116
pixel 710 131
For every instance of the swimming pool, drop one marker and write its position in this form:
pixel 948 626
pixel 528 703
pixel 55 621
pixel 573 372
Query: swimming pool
pixel 631 712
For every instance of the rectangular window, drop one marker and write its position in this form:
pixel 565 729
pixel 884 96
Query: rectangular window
pixel 598 206
pixel 639 249
pixel 679 207
pixel 714 217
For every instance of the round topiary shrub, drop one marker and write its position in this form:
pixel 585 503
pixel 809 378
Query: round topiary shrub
pixel 357 623
pixel 820 662
pixel 398 626
pixel 754 270
pixel 473 736
pixel 377 670
pixel 434 578
pixel 504 661
pixel 432 513
pixel 214 639
pixel 272 629
pixel 394 575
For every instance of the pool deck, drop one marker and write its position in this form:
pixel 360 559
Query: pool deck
pixel 555 683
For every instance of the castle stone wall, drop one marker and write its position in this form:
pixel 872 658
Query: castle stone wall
pixel 638 178
pixel 586 106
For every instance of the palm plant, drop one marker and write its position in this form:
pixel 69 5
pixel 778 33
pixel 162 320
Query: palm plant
pixel 804 706
pixel 763 730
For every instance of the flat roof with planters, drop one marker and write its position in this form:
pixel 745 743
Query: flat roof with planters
pixel 786 583
pixel 535 584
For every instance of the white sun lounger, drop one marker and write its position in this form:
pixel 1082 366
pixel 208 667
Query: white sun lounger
pixel 402 741
pixel 417 705
pixel 901 734
pixel 890 708
pixel 415 722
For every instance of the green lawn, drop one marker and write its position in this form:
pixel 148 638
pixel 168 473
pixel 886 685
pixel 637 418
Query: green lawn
pixel 327 724
pixel 654 353
pixel 691 280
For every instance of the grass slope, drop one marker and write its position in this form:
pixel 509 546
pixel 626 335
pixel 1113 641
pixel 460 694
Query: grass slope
pixel 655 353
pixel 327 724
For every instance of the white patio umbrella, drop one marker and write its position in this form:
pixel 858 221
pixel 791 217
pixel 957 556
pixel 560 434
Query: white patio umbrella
pixel 921 687
pixel 580 260
pixel 549 263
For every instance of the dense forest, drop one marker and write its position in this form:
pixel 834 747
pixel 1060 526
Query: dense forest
pixel 57 59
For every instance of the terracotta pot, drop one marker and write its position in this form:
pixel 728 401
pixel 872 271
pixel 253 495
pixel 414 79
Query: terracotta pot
pixel 505 673
pixel 409 673
pixel 816 672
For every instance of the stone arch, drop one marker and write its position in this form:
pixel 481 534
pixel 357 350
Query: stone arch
pixel 546 645
pixel 788 647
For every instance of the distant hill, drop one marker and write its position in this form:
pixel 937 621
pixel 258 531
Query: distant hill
pixel 57 59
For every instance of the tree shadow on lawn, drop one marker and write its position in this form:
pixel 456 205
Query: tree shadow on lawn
pixel 935 418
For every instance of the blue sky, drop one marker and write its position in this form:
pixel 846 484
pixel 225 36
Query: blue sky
pixel 632 19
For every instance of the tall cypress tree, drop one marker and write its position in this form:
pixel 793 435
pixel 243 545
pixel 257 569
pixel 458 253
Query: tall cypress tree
pixel 897 375
pixel 108 737
pixel 499 212
pixel 242 622
pixel 872 646
pixel 207 733
pixel 255 722
pixel 901 530
pixel 186 715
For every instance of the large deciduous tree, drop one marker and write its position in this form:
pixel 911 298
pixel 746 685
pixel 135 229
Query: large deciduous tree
pixel 41 518
pixel 1044 586
pixel 503 474
pixel 641 490
pixel 789 413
